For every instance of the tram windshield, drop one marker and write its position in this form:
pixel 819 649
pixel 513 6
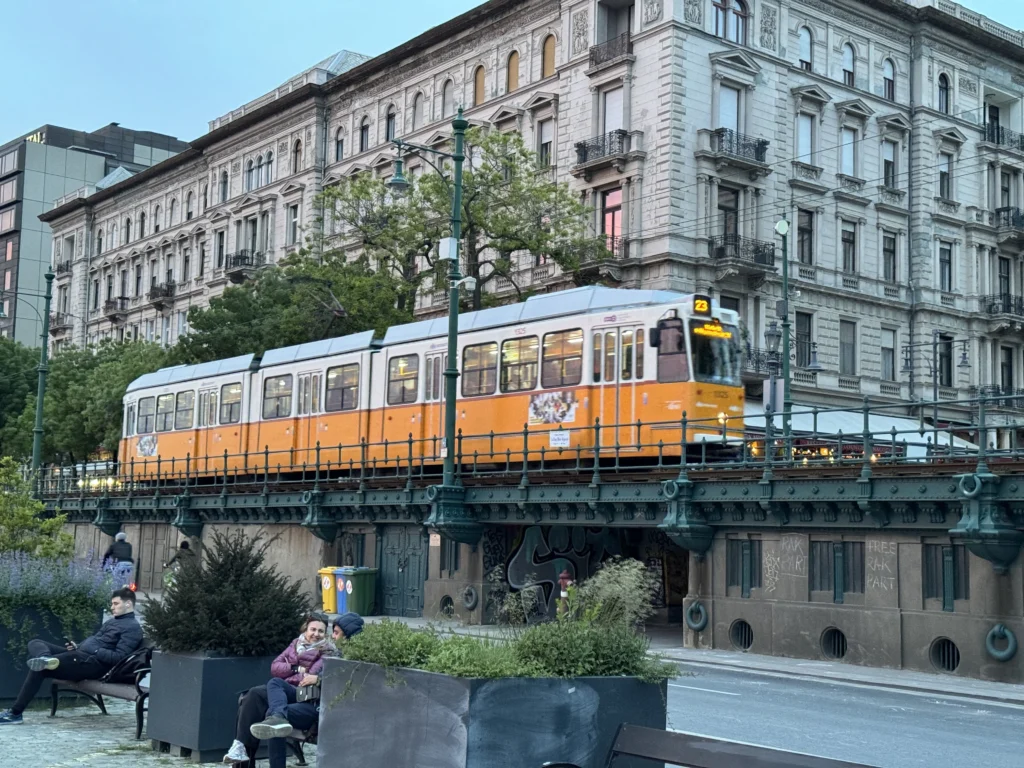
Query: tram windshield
pixel 715 352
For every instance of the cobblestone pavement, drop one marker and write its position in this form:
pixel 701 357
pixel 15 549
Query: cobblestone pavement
pixel 80 737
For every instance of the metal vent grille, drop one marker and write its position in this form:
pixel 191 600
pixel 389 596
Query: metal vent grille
pixel 833 643
pixel 945 655
pixel 742 635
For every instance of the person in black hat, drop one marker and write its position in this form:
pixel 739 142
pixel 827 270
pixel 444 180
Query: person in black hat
pixel 346 626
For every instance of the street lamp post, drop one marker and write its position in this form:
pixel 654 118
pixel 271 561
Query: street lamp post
pixel 772 337
pixel 936 340
pixel 782 228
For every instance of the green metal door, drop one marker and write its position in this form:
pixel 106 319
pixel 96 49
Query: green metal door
pixel 403 570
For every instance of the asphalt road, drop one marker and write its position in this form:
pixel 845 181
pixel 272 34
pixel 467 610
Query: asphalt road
pixel 874 726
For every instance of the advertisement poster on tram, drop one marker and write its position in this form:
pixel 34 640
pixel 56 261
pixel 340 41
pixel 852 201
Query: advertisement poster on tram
pixel 553 408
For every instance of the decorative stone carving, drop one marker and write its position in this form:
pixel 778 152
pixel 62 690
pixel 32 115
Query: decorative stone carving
pixel 1018 79
pixel 968 86
pixel 236 166
pixel 769 17
pixel 947 206
pixel 805 171
pixel 580 32
pixel 850 183
pixel 693 12
pixel 891 196
pixel 652 11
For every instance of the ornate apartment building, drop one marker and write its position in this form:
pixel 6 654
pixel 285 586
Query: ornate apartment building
pixel 888 133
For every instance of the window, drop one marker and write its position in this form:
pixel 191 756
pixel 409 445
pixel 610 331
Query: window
pixel 202 259
pixel 743 564
pixel 8 162
pixel 156 219
pixel 142 225
pixel 138 280
pixel 545 142
pixel 208 408
pixel 403 379
pixel 837 567
pixel 512 72
pixel 805 236
pixel 206 197
pixel 848 155
pixel 7 219
pixel 250 175
pixel 547 67
pixel 342 388
pixel 562 364
pixel 847 348
pixel 339 145
pixel 888 371
pixel 221 240
pixel 1004 188
pixel 308 400
pixel 183 409
pixel 945 176
pixel 945 355
pixel 188 203
pixel 611 101
pixel 129 421
pixel 729 212
pixel 223 186
pixel 480 369
pixel 99 243
pixel 293 224
pixel 147 410
pixel 889 258
pixel 946 573
pixel 364 135
pixel 611 218
pixel 7 191
pixel 889 164
pixel 673 364
pixel 849 65
pixel 230 403
pixel 943 94
pixel 1004 276
pixel 277 397
pixel 432 390
pixel 731 20
pixel 95 293
pixel 803 339
pixel 297 156
pixel 448 99
pixel 519 364
pixel 889 80
pixel 268 169
pixel 390 125
pixel 849 240
pixel 1005 368
pixel 805 138
pixel 479 85
pixel 127 231
pixel 259 171
pixel 172 219
pixel 164 413
pixel 946 267
pixel 806 49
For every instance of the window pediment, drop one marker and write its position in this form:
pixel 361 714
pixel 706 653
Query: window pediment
pixel 197 229
pixel 894 122
pixel 164 241
pixel 331 179
pixel 506 116
pixel 291 188
pixel 220 215
pixel 246 201
pixel 437 139
pixel 735 60
pixel 540 100
pixel 811 93
pixel 950 136
pixel 181 236
pixel 854 108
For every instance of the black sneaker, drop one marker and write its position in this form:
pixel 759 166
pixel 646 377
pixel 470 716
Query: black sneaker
pixel 9 718
pixel 273 727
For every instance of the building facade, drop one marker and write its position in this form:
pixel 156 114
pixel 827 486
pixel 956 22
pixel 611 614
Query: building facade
pixel 36 170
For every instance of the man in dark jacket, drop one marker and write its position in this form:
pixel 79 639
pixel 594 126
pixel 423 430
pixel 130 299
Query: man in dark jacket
pixel 116 640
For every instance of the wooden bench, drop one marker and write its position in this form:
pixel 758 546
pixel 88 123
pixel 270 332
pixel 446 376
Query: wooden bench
pixel 294 742
pixel 123 681
pixel 695 751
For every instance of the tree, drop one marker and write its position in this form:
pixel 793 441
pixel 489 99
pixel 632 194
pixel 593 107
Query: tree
pixel 23 527
pixel 510 210
pixel 18 379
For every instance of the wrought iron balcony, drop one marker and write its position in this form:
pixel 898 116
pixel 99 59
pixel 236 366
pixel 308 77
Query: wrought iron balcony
pixel 1004 137
pixel 242 265
pixel 161 295
pixel 607 146
pixel 62 268
pixel 610 50
pixel 999 397
pixel 59 323
pixel 115 308
pixel 729 142
pixel 759 361
pixel 735 247
pixel 1004 304
pixel 1009 218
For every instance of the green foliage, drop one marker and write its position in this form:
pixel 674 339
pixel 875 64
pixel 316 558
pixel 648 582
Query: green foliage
pixel 23 524
pixel 619 594
pixel 228 602
pixel 18 379
pixel 391 644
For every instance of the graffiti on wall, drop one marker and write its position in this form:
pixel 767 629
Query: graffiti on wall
pixel 541 553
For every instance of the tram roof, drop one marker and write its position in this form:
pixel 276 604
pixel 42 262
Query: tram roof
pixel 323 348
pixel 576 301
pixel 180 373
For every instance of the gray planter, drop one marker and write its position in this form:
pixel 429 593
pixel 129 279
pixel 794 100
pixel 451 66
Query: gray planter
pixel 193 699
pixel 28 624
pixel 426 719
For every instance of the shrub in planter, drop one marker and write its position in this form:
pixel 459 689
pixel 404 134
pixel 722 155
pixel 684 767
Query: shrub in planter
pixel 551 692
pixel 218 628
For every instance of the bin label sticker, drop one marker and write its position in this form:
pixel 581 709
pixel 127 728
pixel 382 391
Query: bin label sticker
pixel 341 583
pixel 326 583
pixel 348 587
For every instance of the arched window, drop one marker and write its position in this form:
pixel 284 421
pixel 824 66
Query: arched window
pixel 99 242
pixel 223 186
pixel 364 135
pixel 206 196
pixel 889 80
pixel 142 225
pixel 806 49
pixel 390 125
pixel 113 236
pixel 448 99
pixel 479 82
pixel 547 67
pixel 127 231
pixel 172 217
pixel 731 20
pixel 250 175
pixel 156 219
pixel 259 171
pixel 339 145
pixel 417 111
pixel 849 64
pixel 188 207
pixel 297 156
pixel 512 72
pixel 268 169
pixel 943 94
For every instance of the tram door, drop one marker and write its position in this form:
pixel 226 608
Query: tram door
pixel 434 412
pixel 615 373
pixel 207 444
pixel 307 423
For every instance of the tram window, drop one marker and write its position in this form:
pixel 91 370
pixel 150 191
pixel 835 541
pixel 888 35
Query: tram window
pixel 315 387
pixel 184 409
pixel 519 364
pixel 230 403
pixel 480 369
pixel 563 359
pixel 639 353
pixel 343 388
pixel 164 413
pixel 277 397
pixel 208 408
pixel 626 374
pixel 129 421
pixel 147 407
pixel 672 361
pixel 716 353
pixel 597 358
pixel 609 356
pixel 403 375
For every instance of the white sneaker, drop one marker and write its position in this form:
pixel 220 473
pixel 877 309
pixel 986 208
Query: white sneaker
pixel 237 753
pixel 43 662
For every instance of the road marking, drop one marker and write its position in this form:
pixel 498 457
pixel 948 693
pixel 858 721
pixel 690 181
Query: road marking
pixel 706 690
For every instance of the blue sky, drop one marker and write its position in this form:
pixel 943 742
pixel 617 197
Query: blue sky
pixel 172 66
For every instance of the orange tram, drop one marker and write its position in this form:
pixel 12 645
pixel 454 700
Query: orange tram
pixel 533 375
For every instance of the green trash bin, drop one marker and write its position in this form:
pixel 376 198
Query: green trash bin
pixel 356 588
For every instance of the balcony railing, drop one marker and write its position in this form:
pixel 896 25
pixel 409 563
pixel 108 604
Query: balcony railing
pixel 1004 304
pixel 1009 218
pixel 611 50
pixel 59 322
pixel 244 260
pixel 605 145
pixel 999 397
pixel 1004 137
pixel 743 248
pixel 117 306
pixel 729 142
pixel 62 268
pixel 158 294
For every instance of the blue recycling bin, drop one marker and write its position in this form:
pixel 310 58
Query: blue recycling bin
pixel 356 589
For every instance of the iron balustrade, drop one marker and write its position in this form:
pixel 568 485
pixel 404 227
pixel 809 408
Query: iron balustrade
pixel 1009 218
pixel 161 292
pixel 62 268
pixel 999 397
pixel 744 248
pixel 610 50
pixel 115 306
pixel 1004 137
pixel 606 145
pixel 244 259
pixel 59 321
pixel 729 142
pixel 1004 304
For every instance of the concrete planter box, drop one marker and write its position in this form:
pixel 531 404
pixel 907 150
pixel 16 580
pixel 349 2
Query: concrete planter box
pixel 193 699
pixel 28 624
pixel 427 719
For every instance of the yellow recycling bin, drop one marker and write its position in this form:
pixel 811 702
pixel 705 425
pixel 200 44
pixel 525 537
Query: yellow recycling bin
pixel 330 595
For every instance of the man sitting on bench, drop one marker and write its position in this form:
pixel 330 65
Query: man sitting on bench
pixel 118 638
